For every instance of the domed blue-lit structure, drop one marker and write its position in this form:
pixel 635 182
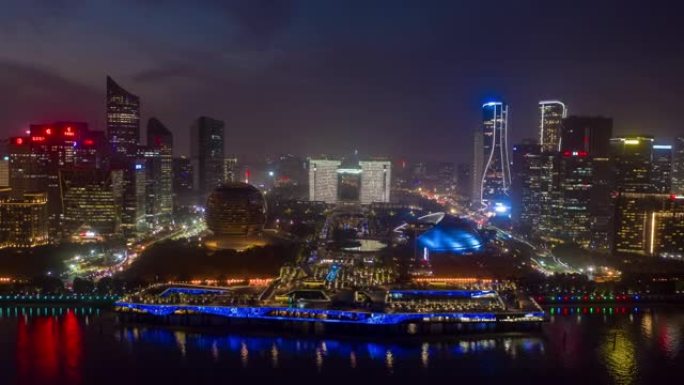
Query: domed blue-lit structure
pixel 440 233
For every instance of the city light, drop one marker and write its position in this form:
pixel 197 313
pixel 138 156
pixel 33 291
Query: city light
pixel 501 208
pixel 299 192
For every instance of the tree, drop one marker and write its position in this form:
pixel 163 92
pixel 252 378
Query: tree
pixel 83 286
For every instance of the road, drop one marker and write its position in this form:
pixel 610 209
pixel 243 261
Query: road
pixel 96 266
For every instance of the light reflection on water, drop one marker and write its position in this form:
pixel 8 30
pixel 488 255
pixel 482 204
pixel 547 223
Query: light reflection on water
pixel 594 345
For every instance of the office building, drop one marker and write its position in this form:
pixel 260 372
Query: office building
pixel 323 180
pixel 207 143
pixel 464 179
pixel 182 175
pixel 678 166
pixel 53 147
pixel 586 134
pixel 661 168
pixel 632 161
pixel 131 188
pixel 91 210
pixel 28 170
pixel 230 169
pixel 649 224
pixel 576 178
pixel 92 151
pixel 491 160
pixel 526 186
pixel 123 121
pixel 24 221
pixel 375 181
pixel 290 169
pixel 349 180
pixel 159 176
pixel 585 143
pixel 552 113
pixel 4 171
pixel 151 159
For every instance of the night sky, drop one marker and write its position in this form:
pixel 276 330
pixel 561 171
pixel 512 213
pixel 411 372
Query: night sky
pixel 393 78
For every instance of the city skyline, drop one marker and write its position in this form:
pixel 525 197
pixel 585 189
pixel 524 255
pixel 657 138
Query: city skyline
pixel 303 191
pixel 351 88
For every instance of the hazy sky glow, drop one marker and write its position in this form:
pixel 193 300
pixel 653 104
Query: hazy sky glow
pixel 396 78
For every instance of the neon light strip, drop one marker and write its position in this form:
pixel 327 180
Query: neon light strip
pixel 491 155
pixel 191 291
pixel 653 224
pixel 504 152
pixel 318 315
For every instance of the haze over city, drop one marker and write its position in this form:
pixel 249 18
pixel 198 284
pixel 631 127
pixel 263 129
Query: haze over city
pixel 311 191
pixel 393 78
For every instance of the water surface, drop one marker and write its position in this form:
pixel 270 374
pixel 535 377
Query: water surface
pixel 610 345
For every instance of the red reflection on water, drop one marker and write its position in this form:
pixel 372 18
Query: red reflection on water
pixel 49 350
pixel 72 343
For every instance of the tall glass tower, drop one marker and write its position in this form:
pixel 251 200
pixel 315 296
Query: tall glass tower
pixel 206 147
pixel 160 169
pixel 678 166
pixel 123 120
pixel 552 113
pixel 494 169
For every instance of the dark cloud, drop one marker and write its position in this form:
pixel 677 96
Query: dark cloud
pixel 40 95
pixel 400 78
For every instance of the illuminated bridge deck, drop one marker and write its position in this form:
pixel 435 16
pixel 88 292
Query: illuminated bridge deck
pixel 328 315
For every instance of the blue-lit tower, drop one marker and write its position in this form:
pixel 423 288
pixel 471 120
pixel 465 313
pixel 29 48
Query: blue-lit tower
pixel 492 164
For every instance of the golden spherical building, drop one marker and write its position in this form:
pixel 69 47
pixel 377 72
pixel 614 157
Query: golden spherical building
pixel 236 214
pixel 235 209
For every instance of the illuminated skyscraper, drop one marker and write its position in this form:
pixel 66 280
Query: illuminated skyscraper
pixel 290 169
pixel 576 177
pixel 552 113
pixel 491 161
pixel 323 180
pixel 131 190
pixel 678 165
pixel 585 143
pixel 55 147
pixel 4 171
pixel 661 168
pixel 92 151
pixel 27 170
pixel 230 169
pixel 182 175
pixel 160 170
pixel 632 161
pixel 123 120
pixel 89 204
pixel 375 181
pixel 24 221
pixel 649 224
pixel 526 187
pixel 590 134
pixel 206 146
pixel 349 180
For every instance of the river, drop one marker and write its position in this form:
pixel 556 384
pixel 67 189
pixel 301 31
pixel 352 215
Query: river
pixel 615 345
